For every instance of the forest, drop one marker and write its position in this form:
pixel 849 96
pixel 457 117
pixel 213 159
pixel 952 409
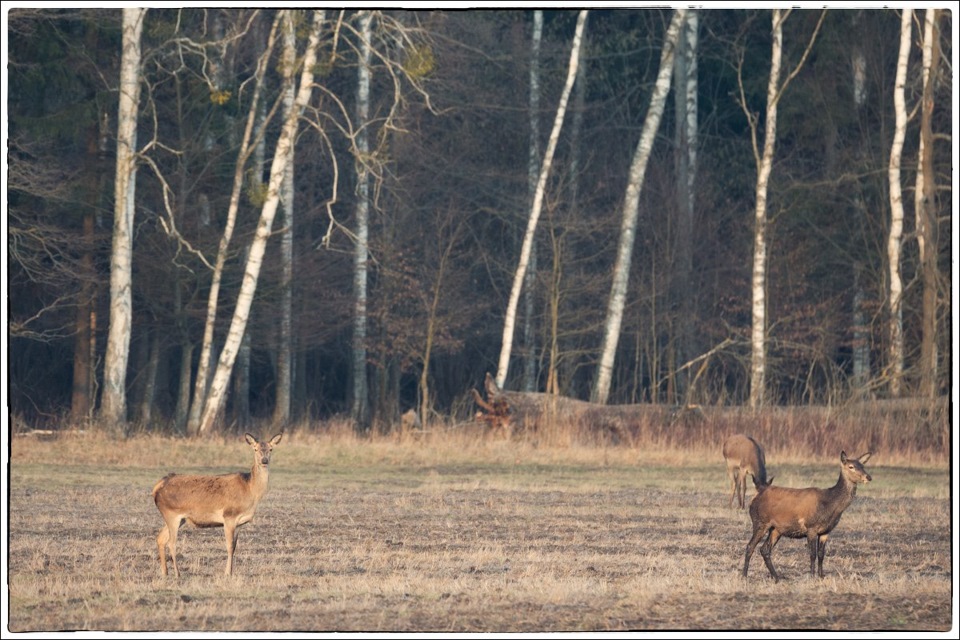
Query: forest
pixel 224 215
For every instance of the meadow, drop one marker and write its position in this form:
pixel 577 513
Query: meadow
pixel 456 532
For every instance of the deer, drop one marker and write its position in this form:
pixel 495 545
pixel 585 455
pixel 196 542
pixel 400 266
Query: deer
pixel 744 455
pixel 810 513
pixel 228 500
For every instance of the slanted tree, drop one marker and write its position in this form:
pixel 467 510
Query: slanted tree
pixel 535 209
pixel 631 210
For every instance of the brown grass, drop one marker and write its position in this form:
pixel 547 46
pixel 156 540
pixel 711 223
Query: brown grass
pixel 460 533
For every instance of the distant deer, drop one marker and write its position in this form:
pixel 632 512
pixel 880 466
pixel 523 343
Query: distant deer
pixel 227 501
pixel 744 455
pixel 803 513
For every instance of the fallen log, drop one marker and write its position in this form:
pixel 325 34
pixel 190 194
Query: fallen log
pixel 521 412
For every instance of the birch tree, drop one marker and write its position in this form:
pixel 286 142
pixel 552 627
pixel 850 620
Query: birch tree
pixel 360 390
pixel 201 384
pixel 925 208
pixel 895 237
pixel 631 209
pixel 510 318
pixel 685 101
pixel 281 157
pixel 113 407
pixel 764 163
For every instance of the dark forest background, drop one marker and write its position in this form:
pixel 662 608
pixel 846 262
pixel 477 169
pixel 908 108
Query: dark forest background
pixel 451 208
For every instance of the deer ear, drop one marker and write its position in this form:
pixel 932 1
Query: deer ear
pixel 250 439
pixel 843 457
pixel 863 459
pixel 276 439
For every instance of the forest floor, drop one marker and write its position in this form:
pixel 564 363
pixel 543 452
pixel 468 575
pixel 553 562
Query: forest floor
pixel 362 538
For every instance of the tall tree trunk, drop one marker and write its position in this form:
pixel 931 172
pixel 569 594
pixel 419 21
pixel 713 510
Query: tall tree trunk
pixel 360 409
pixel 217 395
pixel 861 328
pixel 81 397
pixel 926 210
pixel 510 318
pixel 149 394
pixel 182 408
pixel 758 280
pixel 202 382
pixel 281 410
pixel 895 238
pixel 631 210
pixel 685 99
pixel 113 409
pixel 533 172
pixel 764 161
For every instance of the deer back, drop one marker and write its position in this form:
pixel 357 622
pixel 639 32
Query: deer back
pixel 743 451
pixel 208 499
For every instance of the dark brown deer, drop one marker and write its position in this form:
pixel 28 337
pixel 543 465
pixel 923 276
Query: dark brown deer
pixel 744 455
pixel 803 513
pixel 227 501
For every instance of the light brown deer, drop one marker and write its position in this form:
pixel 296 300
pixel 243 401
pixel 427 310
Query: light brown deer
pixel 803 513
pixel 744 455
pixel 227 501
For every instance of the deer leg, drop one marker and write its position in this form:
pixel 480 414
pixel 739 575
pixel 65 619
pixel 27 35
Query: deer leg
pixel 743 487
pixel 733 491
pixel 767 552
pixel 813 544
pixel 230 532
pixel 173 525
pixel 820 552
pixel 758 533
pixel 162 538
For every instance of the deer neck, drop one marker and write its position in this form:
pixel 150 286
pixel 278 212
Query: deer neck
pixel 259 476
pixel 844 490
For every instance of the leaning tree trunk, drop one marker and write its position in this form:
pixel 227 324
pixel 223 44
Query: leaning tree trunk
pixel 895 238
pixel 631 211
pixel 510 318
pixel 217 395
pixel 113 407
pixel 202 382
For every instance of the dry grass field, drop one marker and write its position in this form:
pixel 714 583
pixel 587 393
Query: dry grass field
pixel 462 535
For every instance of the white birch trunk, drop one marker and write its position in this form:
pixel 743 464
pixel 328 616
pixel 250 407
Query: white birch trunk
pixel 360 390
pixel 758 281
pixel 533 172
pixel 631 209
pixel 685 97
pixel 895 239
pixel 201 384
pixel 510 318
pixel 925 208
pixel 281 411
pixel 217 395
pixel 114 402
